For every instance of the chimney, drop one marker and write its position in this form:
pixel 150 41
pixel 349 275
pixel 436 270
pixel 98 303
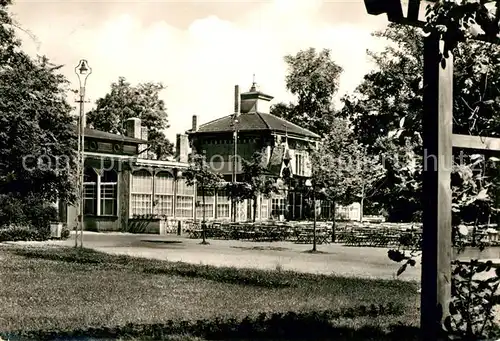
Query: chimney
pixel 133 127
pixel 236 100
pixel 181 147
pixel 194 126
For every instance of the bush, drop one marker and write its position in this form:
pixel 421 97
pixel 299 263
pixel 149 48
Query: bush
pixel 65 233
pixel 11 211
pixel 40 213
pixel 15 233
pixel 33 213
pixel 289 325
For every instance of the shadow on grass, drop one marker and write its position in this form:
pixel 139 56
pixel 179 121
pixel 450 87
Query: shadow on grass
pixel 275 326
pixel 316 252
pixel 261 248
pixel 250 277
pixel 161 244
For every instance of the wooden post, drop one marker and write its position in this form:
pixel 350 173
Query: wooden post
pixel 437 142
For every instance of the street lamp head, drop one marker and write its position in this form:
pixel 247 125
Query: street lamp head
pixel 308 183
pixel 83 70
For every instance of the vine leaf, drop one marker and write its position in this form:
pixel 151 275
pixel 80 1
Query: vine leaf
pixel 482 195
pixel 401 269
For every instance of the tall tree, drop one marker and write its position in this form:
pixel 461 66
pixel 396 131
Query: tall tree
pixel 367 173
pixel 386 109
pixel 313 77
pixel 334 174
pixel 125 101
pixel 38 138
pixel 200 174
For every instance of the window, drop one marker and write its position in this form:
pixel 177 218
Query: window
pixel 141 193
pixel 164 194
pixel 100 193
pixel 300 163
pixel 297 206
pixel 109 193
pixel 185 197
pixel 326 209
pixel 277 207
pixel 89 191
pixel 223 210
pixel 264 208
pixel 209 204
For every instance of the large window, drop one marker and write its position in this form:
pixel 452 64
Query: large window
pixel 223 201
pixel 264 208
pixel 89 191
pixel 164 194
pixel 326 209
pixel 109 192
pixel 300 163
pixel 278 207
pixel 141 193
pixel 209 204
pixel 185 198
pixel 295 200
pixel 100 192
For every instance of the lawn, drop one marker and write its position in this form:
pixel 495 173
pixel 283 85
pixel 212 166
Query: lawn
pixel 69 290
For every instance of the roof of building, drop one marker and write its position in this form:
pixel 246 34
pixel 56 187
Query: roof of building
pixel 255 122
pixel 102 135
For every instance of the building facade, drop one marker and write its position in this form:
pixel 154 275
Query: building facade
pixel 125 187
pixel 286 148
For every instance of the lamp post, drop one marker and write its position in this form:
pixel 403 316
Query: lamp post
pixel 177 174
pixel 287 175
pixel 82 70
pixel 311 188
pixel 235 137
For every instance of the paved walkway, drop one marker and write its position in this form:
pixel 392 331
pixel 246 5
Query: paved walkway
pixel 335 259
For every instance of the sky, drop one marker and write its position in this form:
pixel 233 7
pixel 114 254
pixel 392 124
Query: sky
pixel 197 49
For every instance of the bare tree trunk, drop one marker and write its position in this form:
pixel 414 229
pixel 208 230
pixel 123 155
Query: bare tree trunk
pixel 361 204
pixel 203 222
pixel 314 222
pixel 254 208
pixel 333 223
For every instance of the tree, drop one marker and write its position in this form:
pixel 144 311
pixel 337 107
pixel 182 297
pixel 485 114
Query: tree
pixel 256 181
pixel 237 192
pixel 313 77
pixel 125 101
pixel 38 138
pixel 200 174
pixel 367 175
pixel 332 173
pixel 386 110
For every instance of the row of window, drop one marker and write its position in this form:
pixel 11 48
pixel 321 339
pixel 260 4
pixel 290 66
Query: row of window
pixel 101 197
pixel 141 197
